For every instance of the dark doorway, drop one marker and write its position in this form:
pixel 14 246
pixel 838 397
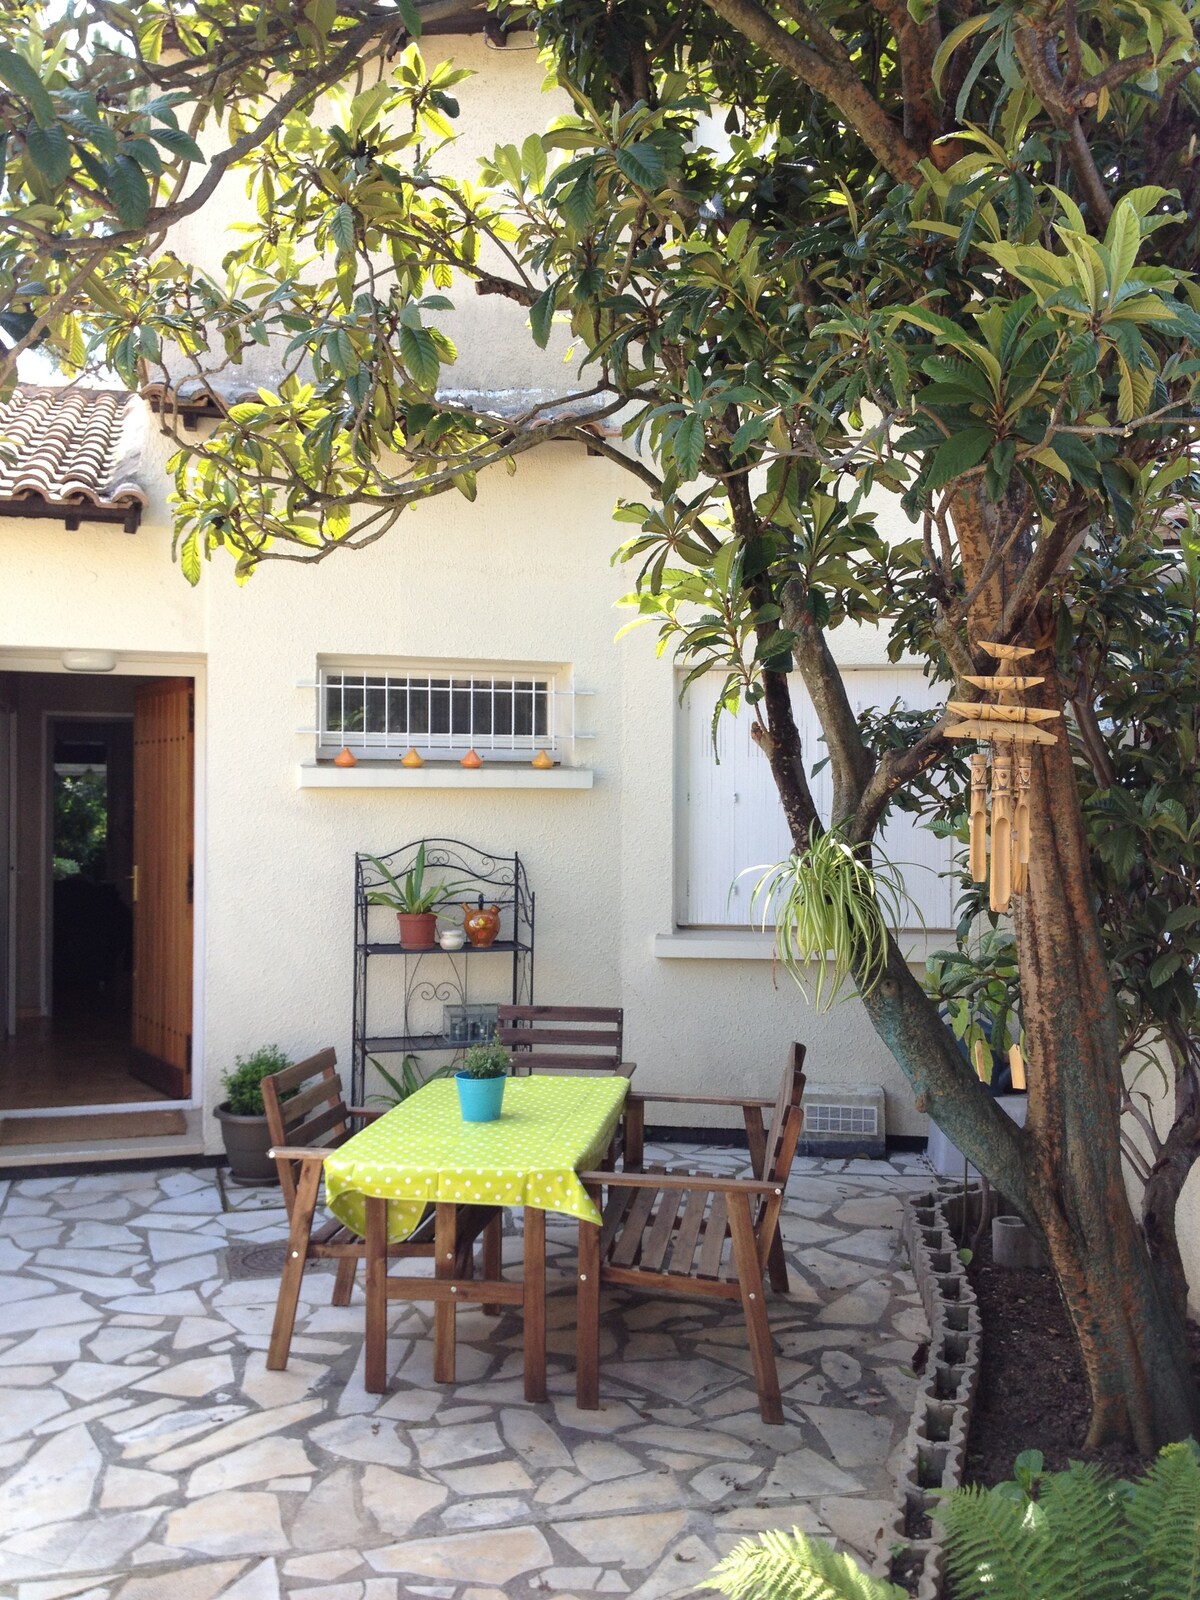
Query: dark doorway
pixel 91 806
pixel 83 781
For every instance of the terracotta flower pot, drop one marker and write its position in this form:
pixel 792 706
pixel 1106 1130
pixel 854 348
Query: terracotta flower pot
pixel 418 930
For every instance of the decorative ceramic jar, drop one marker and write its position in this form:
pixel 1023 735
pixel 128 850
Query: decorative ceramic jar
pixel 482 924
pixel 452 938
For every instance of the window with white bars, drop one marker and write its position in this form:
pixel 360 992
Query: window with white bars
pixel 441 712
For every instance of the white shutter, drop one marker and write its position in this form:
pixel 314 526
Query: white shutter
pixel 731 818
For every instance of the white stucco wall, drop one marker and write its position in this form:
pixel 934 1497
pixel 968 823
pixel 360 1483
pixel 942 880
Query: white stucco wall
pixel 524 575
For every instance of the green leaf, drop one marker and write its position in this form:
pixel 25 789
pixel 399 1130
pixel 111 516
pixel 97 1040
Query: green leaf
pixel 962 451
pixel 579 206
pixel 189 558
pixel 178 143
pixel 533 159
pixel 1122 240
pixel 689 446
pixel 420 356
pixel 410 17
pixel 21 78
pixel 642 164
pixel 1165 967
pixel 341 229
pixel 129 191
pixel 49 151
pixel 541 317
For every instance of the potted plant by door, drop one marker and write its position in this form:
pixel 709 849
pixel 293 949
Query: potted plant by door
pixel 243 1119
pixel 481 1081
pixel 413 900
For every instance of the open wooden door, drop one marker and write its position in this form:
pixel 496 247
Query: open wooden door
pixel 163 766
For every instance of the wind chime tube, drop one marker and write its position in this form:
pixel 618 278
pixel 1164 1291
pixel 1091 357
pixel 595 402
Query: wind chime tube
pixel 1001 888
pixel 1021 823
pixel 1016 1066
pixel 979 817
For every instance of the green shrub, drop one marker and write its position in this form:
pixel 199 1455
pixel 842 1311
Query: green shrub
pixel 488 1060
pixel 243 1081
pixel 1073 1535
pixel 791 1566
pixel 1079 1534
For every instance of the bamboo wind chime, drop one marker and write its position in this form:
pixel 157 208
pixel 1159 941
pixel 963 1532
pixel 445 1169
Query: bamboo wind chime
pixel 1010 731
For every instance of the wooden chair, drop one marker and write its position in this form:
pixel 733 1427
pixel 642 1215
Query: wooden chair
pixel 307 1117
pixel 697 1233
pixel 564 1039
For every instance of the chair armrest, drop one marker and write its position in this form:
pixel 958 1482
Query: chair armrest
pixel 703 1100
pixel 300 1152
pixel 679 1181
pixel 625 1069
pixel 364 1113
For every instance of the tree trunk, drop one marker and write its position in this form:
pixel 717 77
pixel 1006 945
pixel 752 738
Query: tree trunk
pixel 1063 1172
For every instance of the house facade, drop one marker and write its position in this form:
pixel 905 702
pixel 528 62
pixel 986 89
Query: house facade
pixel 632 839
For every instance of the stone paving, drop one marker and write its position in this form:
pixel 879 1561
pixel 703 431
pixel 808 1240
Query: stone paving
pixel 147 1454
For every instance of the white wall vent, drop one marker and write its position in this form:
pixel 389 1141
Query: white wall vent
pixel 839 1121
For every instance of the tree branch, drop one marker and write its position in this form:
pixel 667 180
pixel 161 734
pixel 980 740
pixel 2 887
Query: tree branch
pixel 835 82
pixel 852 763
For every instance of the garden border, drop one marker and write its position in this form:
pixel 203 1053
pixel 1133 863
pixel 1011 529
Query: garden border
pixel 935 1447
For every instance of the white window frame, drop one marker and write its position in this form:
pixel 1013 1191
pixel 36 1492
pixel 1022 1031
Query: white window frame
pixel 467 679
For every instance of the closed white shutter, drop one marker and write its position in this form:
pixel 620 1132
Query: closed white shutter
pixel 731 819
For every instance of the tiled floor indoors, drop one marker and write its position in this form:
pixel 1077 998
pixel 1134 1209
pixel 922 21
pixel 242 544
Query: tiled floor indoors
pixel 146 1453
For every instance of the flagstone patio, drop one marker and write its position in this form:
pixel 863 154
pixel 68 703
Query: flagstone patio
pixel 146 1453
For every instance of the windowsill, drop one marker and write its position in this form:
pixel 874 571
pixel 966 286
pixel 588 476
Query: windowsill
pixel 747 944
pixel 439 775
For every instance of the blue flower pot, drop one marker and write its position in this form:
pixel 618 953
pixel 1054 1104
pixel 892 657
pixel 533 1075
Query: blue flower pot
pixel 480 1098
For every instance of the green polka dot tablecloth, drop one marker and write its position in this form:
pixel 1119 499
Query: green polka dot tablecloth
pixel 422 1151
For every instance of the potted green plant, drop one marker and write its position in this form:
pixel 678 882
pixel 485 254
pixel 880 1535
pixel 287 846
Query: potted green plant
pixel 243 1119
pixel 413 900
pixel 481 1080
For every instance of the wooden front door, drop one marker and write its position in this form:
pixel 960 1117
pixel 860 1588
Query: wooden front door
pixel 163 766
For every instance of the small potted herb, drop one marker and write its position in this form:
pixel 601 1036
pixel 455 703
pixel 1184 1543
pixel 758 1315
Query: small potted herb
pixel 481 1080
pixel 413 900
pixel 243 1119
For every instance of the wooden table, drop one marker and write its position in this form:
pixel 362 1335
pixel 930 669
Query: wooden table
pixel 383 1180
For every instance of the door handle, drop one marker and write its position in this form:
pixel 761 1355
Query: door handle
pixel 134 876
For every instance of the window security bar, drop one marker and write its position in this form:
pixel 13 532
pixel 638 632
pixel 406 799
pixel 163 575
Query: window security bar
pixel 385 714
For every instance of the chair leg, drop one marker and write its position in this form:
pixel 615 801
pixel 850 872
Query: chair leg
pixel 750 1283
pixel 492 1258
pixel 635 1135
pixel 375 1364
pixel 587 1319
pixel 777 1271
pixel 343 1284
pixel 293 1267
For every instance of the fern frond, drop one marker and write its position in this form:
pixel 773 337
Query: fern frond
pixel 1164 1511
pixel 1088 1552
pixel 791 1566
pixel 993 1542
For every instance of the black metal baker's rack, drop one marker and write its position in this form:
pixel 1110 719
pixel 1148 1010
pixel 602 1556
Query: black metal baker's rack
pixel 433 978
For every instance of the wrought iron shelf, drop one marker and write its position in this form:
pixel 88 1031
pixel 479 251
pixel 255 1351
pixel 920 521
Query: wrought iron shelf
pixel 411 996
pixel 410 1043
pixel 497 947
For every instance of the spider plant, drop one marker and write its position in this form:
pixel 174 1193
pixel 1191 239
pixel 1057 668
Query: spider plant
pixel 410 895
pixel 409 1081
pixel 830 911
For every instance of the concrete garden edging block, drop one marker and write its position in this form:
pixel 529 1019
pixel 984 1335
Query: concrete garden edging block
pixel 935 1446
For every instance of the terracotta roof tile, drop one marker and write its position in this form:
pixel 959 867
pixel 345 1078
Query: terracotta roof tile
pixel 72 449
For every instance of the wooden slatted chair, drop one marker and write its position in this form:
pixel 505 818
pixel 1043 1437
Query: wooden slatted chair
pixel 696 1233
pixel 307 1117
pixel 564 1039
